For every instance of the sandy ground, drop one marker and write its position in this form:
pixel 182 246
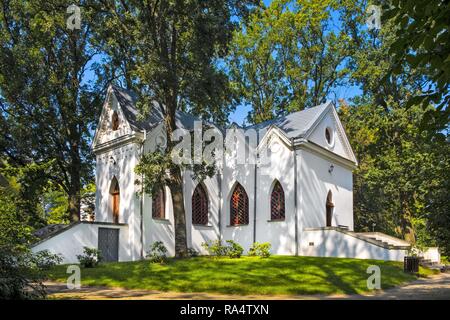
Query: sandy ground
pixel 433 287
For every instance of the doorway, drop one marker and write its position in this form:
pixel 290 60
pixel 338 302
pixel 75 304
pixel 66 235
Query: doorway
pixel 329 209
pixel 108 244
pixel 115 195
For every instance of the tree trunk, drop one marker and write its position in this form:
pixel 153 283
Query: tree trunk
pixel 75 178
pixel 74 191
pixel 176 182
pixel 74 207
pixel 407 229
pixel 176 188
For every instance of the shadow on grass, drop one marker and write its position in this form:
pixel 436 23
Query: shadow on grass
pixel 284 275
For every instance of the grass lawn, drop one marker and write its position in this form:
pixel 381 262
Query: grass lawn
pixel 248 275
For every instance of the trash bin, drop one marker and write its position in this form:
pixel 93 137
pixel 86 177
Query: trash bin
pixel 411 264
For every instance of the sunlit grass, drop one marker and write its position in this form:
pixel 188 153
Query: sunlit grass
pixel 248 275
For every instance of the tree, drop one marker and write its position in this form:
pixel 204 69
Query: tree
pixel 289 56
pixel 389 183
pixel 47 110
pixel 14 232
pixel 401 177
pixel 423 42
pixel 170 52
pixel 24 186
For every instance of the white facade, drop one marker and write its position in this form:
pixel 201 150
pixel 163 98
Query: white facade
pixel 70 241
pixel 306 152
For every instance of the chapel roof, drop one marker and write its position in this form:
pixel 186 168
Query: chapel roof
pixel 293 125
pixel 127 101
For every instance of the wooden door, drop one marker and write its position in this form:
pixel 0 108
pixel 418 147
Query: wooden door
pixel 116 203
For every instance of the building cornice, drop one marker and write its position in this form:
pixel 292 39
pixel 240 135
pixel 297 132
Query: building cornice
pixel 302 143
pixel 135 137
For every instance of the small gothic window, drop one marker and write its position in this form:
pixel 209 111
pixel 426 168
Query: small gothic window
pixel 158 205
pixel 277 211
pixel 200 206
pixel 115 121
pixel 239 206
pixel 328 136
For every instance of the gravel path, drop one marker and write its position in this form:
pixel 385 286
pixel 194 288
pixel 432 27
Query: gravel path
pixel 434 287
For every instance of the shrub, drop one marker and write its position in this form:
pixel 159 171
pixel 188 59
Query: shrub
pixel 20 276
pixel 215 248
pixel 44 259
pixel 157 252
pixel 260 249
pixel 192 252
pixel 90 258
pixel 234 249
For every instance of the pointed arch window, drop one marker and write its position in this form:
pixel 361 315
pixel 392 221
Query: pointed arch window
pixel 115 121
pixel 158 205
pixel 200 205
pixel 239 206
pixel 277 203
pixel 115 197
pixel 329 209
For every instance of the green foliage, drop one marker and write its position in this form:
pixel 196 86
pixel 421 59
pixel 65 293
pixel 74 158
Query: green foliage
pixel 48 109
pixel 260 249
pixel 22 273
pixel 192 252
pixel 44 260
pixel 56 206
pixel 423 43
pixel 170 52
pixel 90 258
pixel 445 260
pixel 15 233
pixel 401 183
pixel 157 252
pixel 234 249
pixel 152 170
pixel 402 176
pixel 215 248
pixel 26 184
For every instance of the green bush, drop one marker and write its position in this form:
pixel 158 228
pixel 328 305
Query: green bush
pixel 215 248
pixel 260 249
pixel 234 249
pixel 20 274
pixel 90 258
pixel 44 259
pixel 192 252
pixel 157 252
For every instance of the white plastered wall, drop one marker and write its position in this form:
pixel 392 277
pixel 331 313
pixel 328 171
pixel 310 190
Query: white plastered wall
pixel 276 164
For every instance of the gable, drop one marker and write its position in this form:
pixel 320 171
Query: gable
pixel 105 129
pixel 329 134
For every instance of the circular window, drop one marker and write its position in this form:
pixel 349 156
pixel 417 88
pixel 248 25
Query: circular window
pixel 329 136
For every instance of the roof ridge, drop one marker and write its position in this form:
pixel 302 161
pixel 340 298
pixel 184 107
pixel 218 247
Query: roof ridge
pixel 283 117
pixel 291 123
